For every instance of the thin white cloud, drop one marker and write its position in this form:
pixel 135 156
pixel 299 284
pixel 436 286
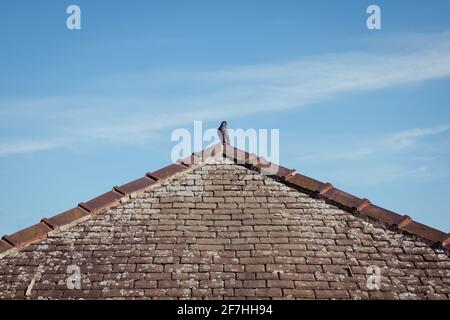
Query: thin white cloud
pixel 394 143
pixel 352 155
pixel 410 137
pixel 134 107
pixel 385 173
pixel 395 156
pixel 27 146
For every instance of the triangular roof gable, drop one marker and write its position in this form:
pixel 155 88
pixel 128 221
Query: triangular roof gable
pixel 119 194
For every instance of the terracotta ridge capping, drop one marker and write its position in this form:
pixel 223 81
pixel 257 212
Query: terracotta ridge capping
pixel 184 164
pixel 210 152
pixel 436 237
pixel 135 186
pixel 288 174
pixel 41 230
pixel 5 247
pixel 149 175
pixel 202 156
pixel 86 207
pixel 239 156
pixel 304 183
pixel 6 240
pixel 118 190
pixel 167 172
pixel 102 202
pixel 446 241
pixel 343 199
pixel 365 203
pixel 48 223
pixel 29 235
pixel 380 214
pixel 270 169
pixel 327 187
pixel 403 221
pixel 190 161
pixel 66 218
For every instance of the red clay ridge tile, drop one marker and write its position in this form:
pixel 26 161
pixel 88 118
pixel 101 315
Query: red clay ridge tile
pixel 5 246
pixel 239 156
pixel 213 150
pixel 364 204
pixel 192 160
pixel 284 172
pixel 117 189
pixel 380 214
pixel 228 151
pixel 343 198
pixel 166 172
pixel 66 218
pixel 135 186
pixel 268 168
pixel 102 202
pixel 252 159
pixel 48 223
pixel 29 235
pixel 327 187
pixel 262 162
pixel 209 152
pixel 304 182
pixel 446 241
pixel 424 231
pixel 403 221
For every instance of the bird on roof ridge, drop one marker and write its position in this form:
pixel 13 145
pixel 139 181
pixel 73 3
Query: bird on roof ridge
pixel 222 132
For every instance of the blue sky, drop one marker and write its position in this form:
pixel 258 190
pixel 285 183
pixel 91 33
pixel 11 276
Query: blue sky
pixel 82 111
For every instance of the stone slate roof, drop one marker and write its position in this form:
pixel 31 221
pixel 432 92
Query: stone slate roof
pixel 218 227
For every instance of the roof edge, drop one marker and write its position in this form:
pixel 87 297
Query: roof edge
pixel 290 177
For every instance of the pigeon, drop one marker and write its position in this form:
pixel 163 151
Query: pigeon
pixel 222 132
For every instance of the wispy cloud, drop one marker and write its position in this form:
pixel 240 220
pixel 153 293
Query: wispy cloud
pixel 410 137
pixel 391 157
pixel 27 146
pixel 394 143
pixel 128 108
pixel 358 154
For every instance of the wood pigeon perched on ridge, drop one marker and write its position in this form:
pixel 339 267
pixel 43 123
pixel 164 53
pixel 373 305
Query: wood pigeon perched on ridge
pixel 222 132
